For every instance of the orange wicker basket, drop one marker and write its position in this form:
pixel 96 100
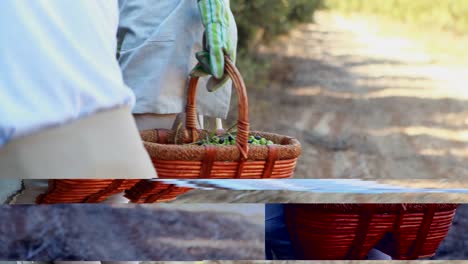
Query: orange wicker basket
pixel 350 231
pixel 174 157
pixel 95 191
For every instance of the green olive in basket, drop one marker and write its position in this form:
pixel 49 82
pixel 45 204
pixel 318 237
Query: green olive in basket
pixel 229 140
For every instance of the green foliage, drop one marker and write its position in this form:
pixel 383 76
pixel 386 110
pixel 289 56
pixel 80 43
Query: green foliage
pixel 262 20
pixel 255 69
pixel 451 15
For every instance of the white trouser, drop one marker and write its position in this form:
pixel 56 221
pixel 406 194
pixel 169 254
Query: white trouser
pixel 33 188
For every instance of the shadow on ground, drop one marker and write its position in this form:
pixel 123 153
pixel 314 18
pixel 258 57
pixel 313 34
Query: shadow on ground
pixel 364 113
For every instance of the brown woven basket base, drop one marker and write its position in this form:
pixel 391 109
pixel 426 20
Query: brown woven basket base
pixel 222 170
pixel 82 191
pixel 350 231
pixel 95 191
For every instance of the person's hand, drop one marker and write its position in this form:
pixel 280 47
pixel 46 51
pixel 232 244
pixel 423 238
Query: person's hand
pixel 217 42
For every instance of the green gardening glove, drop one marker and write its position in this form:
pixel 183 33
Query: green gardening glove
pixel 217 43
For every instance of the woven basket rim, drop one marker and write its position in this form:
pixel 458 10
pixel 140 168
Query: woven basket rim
pixel 288 147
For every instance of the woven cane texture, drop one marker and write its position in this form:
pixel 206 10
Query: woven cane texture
pixel 337 232
pixel 288 148
pixel 95 191
pixel 82 191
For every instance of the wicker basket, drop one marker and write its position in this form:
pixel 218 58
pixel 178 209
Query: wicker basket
pixel 173 157
pixel 337 232
pixel 95 191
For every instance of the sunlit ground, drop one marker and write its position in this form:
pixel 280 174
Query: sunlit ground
pixel 370 101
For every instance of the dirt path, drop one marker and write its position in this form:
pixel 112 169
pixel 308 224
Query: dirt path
pixel 365 105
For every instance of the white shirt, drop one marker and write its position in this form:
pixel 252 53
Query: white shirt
pixel 159 41
pixel 57 63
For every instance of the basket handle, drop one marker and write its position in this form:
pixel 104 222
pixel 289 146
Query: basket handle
pixel 243 107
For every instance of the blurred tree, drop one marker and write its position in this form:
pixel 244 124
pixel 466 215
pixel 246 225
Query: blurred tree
pixel 261 21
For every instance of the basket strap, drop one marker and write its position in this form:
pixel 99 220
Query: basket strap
pixel 365 219
pixel 290 212
pixel 156 196
pixel 136 192
pixel 397 228
pixel 208 161
pixel 240 168
pixel 110 188
pixel 423 231
pixel 42 197
pixel 271 160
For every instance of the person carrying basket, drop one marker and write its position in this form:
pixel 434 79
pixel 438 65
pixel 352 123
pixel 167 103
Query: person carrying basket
pixel 157 42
